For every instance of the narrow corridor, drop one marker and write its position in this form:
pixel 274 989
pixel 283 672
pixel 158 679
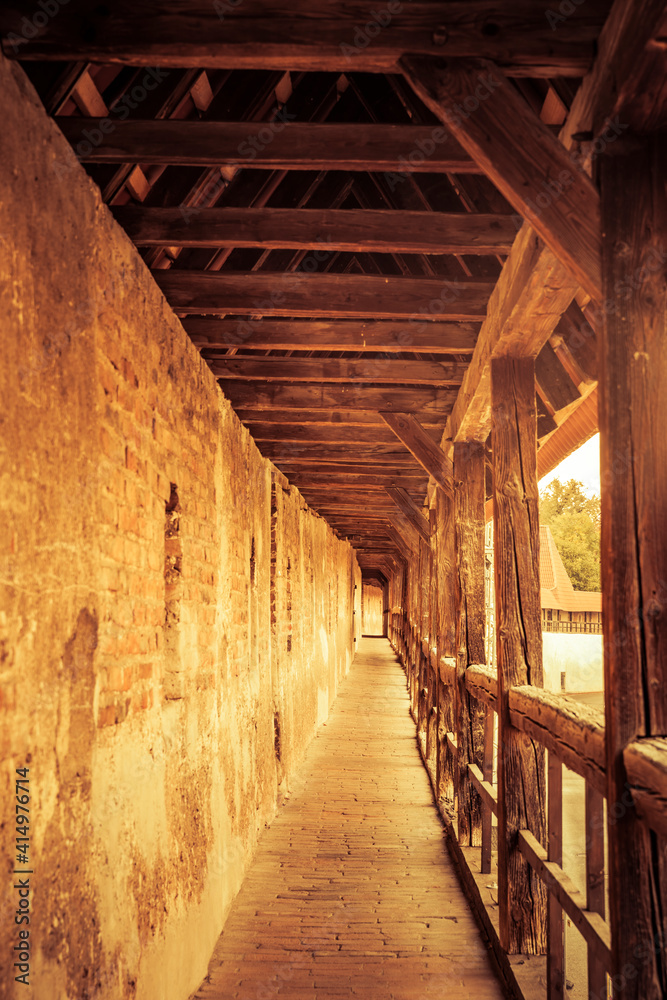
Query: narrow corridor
pixel 352 892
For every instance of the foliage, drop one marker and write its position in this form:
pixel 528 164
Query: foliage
pixel 574 519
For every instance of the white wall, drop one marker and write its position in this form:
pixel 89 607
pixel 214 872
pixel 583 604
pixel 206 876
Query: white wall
pixel 578 655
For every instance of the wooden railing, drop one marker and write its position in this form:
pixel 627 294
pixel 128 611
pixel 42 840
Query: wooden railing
pixel 573 735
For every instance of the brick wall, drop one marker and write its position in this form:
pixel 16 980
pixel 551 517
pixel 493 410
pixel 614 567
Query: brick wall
pixel 174 621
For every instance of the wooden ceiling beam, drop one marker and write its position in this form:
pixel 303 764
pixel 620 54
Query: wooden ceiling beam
pixel 329 295
pixel 315 420
pixel 516 150
pixel 429 454
pixel 351 479
pixel 277 145
pixel 388 336
pixel 409 508
pixel 373 370
pixel 326 434
pixel 336 36
pixel 313 229
pixel 424 401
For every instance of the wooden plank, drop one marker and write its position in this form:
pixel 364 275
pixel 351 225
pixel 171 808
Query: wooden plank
pixel 405 503
pixel 569 729
pixel 522 157
pixel 317 229
pixel 446 588
pixel 278 145
pixel 317 420
pixel 298 369
pixel 521 778
pixel 633 473
pixel 408 430
pixel 555 930
pixel 646 766
pixel 345 478
pixel 590 925
pixel 325 434
pixel 484 789
pixel 338 455
pixel 300 294
pixel 552 380
pixel 482 683
pixel 487 775
pixel 424 400
pixel 389 336
pixel 331 37
pixel 595 887
pixel 469 470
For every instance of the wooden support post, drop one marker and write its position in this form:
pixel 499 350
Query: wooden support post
pixel 556 931
pixel 469 503
pixel 633 452
pixel 521 778
pixel 446 574
pixel 433 680
pixel 595 894
pixel 487 774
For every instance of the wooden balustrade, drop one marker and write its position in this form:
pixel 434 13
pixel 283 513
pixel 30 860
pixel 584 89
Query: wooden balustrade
pixel 573 735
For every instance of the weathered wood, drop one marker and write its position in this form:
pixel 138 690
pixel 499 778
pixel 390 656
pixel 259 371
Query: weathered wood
pixel 595 887
pixel 469 468
pixel 614 79
pixel 296 369
pixel 277 145
pixel 350 477
pixel 555 930
pixel 426 401
pixel 408 430
pixel 387 336
pixel 446 624
pixel 572 731
pixel 646 767
pixel 484 788
pixel 487 775
pixel 413 513
pixel 482 684
pixel 521 777
pixel 552 380
pixel 447 671
pixel 522 157
pixel 590 925
pixel 326 434
pixel 633 452
pixel 336 37
pixel 301 294
pixel 320 229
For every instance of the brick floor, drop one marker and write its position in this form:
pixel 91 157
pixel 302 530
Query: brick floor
pixel 352 892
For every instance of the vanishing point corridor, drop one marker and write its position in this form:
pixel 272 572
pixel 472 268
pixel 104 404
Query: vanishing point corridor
pixel 352 891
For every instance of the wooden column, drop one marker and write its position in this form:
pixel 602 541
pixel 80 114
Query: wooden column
pixel 633 451
pixel 521 777
pixel 446 574
pixel 469 503
pixel 433 681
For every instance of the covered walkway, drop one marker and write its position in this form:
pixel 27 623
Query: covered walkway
pixel 352 891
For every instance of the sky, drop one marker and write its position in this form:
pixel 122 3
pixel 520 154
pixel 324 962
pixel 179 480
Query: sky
pixel 583 464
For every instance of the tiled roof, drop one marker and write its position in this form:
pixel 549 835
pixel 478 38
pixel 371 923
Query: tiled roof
pixel 557 591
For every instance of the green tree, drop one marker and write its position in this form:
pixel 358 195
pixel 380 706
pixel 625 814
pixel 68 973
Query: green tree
pixel 574 519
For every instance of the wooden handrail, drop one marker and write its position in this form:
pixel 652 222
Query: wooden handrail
pixel 590 925
pixel 572 731
pixel 482 683
pixel 487 791
pixel 646 766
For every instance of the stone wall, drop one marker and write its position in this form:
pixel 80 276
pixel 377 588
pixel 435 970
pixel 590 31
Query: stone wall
pixel 174 621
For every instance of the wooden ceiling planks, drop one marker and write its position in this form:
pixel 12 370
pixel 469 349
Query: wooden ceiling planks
pixel 404 242
pixel 337 36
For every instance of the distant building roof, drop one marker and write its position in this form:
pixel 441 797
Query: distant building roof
pixel 557 591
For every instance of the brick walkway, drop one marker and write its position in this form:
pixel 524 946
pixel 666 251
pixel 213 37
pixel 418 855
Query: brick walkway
pixel 352 892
